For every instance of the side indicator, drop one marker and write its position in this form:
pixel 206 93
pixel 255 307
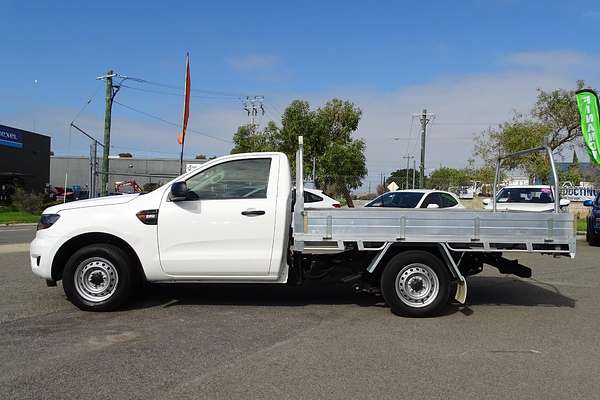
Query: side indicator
pixel 148 217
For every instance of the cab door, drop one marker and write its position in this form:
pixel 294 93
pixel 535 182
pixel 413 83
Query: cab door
pixel 225 226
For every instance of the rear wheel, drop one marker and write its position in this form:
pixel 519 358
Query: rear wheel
pixel 98 278
pixel 415 283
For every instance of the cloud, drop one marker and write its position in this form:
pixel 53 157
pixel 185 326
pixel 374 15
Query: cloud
pixel 263 67
pixel 254 62
pixel 551 59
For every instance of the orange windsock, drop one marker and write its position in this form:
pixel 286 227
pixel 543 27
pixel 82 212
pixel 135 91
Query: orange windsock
pixel 186 101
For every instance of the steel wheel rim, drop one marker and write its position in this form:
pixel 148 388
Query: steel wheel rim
pixel 96 279
pixel 417 285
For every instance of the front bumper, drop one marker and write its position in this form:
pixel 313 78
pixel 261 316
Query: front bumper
pixel 41 253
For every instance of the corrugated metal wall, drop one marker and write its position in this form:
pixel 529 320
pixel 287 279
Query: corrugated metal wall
pixel 122 169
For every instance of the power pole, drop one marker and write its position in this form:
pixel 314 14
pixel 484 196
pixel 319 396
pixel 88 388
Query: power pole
pixel 93 161
pixel 407 167
pixel 425 119
pixel 107 123
pixel 414 171
pixel 111 91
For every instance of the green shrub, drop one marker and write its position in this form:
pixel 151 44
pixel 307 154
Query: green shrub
pixel 28 202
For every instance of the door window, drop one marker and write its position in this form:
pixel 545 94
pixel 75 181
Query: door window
pixel 239 179
pixel 432 198
pixel 448 200
pixel 311 198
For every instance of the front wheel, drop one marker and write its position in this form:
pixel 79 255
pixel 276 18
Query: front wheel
pixel 415 283
pixel 98 278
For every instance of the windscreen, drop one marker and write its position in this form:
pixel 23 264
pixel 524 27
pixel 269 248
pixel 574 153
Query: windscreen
pixel 525 195
pixel 397 199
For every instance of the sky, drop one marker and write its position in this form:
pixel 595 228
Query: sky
pixel 471 63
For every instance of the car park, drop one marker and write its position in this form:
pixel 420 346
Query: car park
pixel 416 198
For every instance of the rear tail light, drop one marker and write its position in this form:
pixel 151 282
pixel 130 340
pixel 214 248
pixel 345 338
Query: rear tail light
pixel 337 205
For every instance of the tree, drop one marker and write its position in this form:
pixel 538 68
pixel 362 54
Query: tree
pixel 571 174
pixel 249 139
pixel 399 176
pixel 327 132
pixel 381 189
pixel 340 159
pixel 342 168
pixel 445 177
pixel 554 117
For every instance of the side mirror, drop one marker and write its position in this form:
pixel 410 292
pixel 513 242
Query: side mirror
pixel 432 206
pixel 588 203
pixel 178 192
pixel 564 202
pixel 486 201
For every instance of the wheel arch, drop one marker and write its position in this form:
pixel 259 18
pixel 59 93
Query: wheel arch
pixel 77 242
pixel 435 249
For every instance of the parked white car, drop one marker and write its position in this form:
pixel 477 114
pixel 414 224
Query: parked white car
pixel 537 198
pixel 416 198
pixel 314 198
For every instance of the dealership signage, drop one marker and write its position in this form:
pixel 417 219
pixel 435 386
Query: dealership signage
pixel 578 193
pixel 11 138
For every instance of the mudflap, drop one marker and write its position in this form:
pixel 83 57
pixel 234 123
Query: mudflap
pixel 461 291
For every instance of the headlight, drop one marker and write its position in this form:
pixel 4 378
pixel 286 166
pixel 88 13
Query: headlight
pixel 47 220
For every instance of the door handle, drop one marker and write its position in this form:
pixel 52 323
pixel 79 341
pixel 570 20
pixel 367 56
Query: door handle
pixel 252 213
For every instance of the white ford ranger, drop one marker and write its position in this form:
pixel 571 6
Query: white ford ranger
pixel 231 221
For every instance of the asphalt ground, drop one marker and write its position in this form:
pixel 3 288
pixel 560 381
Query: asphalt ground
pixel 13 234
pixel 517 338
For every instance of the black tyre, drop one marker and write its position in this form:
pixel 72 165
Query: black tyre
pixel 416 283
pixel 594 238
pixel 98 278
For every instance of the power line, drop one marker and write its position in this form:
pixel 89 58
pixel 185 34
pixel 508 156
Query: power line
pixel 180 94
pixel 156 117
pixel 169 86
pixel 437 138
pixel 274 117
pixel 86 104
pixel 467 123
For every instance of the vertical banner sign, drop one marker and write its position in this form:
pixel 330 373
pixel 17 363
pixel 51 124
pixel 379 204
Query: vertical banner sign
pixel 186 109
pixel 587 102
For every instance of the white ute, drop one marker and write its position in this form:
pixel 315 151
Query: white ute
pixel 230 221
